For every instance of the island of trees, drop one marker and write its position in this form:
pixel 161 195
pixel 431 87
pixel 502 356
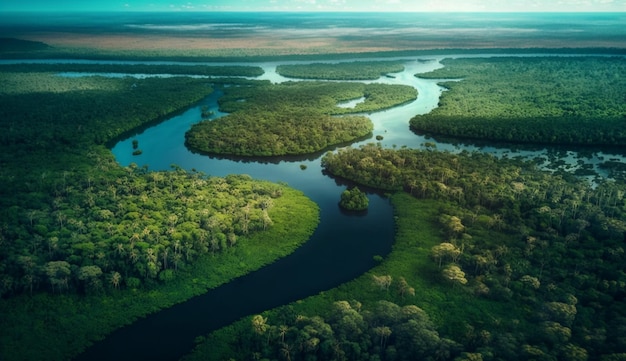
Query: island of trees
pixel 292 118
pixel 354 200
pixel 358 70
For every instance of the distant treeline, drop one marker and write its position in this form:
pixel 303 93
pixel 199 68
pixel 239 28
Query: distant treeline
pixel 23 49
pixel 231 70
pixel 19 45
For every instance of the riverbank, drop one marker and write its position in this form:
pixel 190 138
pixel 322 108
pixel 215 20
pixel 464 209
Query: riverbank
pixel 417 232
pixel 78 279
pixel 59 327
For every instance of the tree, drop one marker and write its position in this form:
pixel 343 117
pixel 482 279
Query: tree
pixel 116 278
pixel 383 333
pixel 90 275
pixel 404 288
pixel 354 200
pixel 445 250
pixel 259 324
pixel 382 281
pixel 452 224
pixel 58 273
pixel 454 274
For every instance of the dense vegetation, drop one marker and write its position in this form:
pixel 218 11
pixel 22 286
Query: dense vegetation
pixel 533 100
pixel 509 263
pixel 292 118
pixel 560 257
pixel 87 246
pixel 384 323
pixel 231 70
pixel 354 200
pixel 361 70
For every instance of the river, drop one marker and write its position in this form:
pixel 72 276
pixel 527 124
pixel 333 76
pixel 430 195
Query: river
pixel 342 247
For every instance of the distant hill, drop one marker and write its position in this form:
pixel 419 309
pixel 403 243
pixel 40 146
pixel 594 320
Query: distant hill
pixel 12 44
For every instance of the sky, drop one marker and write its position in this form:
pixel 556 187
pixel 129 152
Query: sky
pixel 319 5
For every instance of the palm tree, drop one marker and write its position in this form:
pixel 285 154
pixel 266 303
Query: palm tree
pixel 120 249
pixel 285 350
pixel 259 324
pixel 282 331
pixel 383 332
pixel 115 279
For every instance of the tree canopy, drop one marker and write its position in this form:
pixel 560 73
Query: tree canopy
pixel 292 118
pixel 531 100
pixel 354 199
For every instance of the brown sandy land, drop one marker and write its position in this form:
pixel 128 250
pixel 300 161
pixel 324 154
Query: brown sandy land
pixel 284 44
pixel 125 42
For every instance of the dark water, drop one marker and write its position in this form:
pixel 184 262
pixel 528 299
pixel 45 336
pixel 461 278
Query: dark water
pixel 341 249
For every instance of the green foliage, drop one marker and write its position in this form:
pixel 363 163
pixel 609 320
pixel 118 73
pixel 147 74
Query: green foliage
pixel 357 70
pixel 549 245
pixel 349 331
pixel 292 118
pixel 66 113
pixel 401 295
pixel 290 132
pixel 89 246
pixel 531 100
pixel 354 200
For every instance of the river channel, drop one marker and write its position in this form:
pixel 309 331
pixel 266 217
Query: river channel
pixel 342 247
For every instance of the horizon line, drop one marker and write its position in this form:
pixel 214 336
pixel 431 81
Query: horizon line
pixel 320 11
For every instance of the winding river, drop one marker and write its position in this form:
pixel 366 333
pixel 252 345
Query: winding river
pixel 341 249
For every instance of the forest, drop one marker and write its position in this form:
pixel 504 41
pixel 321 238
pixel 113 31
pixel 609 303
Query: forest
pixel 292 118
pixel 551 100
pixel 494 259
pixel 359 70
pixel 88 246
